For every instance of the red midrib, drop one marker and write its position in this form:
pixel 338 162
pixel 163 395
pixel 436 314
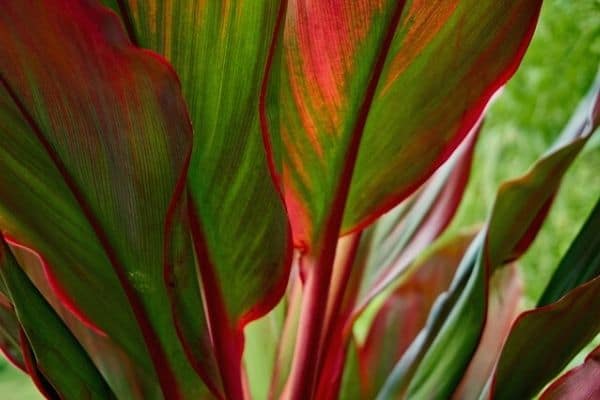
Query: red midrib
pixel 308 351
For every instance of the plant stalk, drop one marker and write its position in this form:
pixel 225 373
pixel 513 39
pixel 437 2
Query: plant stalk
pixel 308 347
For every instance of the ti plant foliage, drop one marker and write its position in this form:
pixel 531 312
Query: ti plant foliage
pixel 172 170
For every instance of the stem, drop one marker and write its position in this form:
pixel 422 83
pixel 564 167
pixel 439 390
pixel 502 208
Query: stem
pixel 342 271
pixel 228 339
pixel 307 351
pixel 308 347
pixel 335 338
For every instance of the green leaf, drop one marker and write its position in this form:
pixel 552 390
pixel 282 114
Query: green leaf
pixel 389 247
pixel 404 312
pixel 239 224
pixel 94 138
pixel 580 383
pixel 580 264
pixel 9 331
pixel 58 354
pixel 436 361
pixel 504 295
pixel 382 254
pixel 391 86
pixel 221 49
pixel 568 324
pixel 350 386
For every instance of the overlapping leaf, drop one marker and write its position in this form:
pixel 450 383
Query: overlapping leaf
pixel 405 311
pixel 384 252
pixel 58 354
pixel 94 141
pixel 504 296
pixel 401 235
pixel 239 225
pixel 9 330
pixel 404 81
pixel 437 359
pixel 580 264
pixel 567 322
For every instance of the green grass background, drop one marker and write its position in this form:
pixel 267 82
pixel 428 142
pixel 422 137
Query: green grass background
pixel 557 70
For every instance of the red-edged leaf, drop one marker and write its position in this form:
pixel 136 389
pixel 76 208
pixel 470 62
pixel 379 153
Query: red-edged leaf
pixel 438 358
pixel 32 369
pixel 54 359
pixel 405 312
pixel 580 383
pixel 365 101
pixel 93 147
pixel 9 330
pixel 400 236
pixel 114 358
pixel 567 325
pixel 350 385
pixel 240 229
pixel 505 294
pixel 405 80
pixel 385 251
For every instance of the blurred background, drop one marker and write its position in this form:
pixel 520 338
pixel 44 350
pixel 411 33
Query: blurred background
pixel 521 124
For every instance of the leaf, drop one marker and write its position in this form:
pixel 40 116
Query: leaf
pixel 404 312
pixel 391 86
pixel 580 264
pixel 437 359
pixel 350 386
pixel 94 140
pixel 365 101
pixel 9 331
pixel 385 251
pixel 580 383
pixel 58 354
pixel 239 224
pixel 504 294
pixel 401 235
pixel 568 324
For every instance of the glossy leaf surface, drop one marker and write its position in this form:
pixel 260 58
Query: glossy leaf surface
pixel 219 50
pixel 240 231
pixel 391 86
pixel 94 140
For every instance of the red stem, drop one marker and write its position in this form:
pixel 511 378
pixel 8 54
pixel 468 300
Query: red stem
pixel 308 347
pixel 228 338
